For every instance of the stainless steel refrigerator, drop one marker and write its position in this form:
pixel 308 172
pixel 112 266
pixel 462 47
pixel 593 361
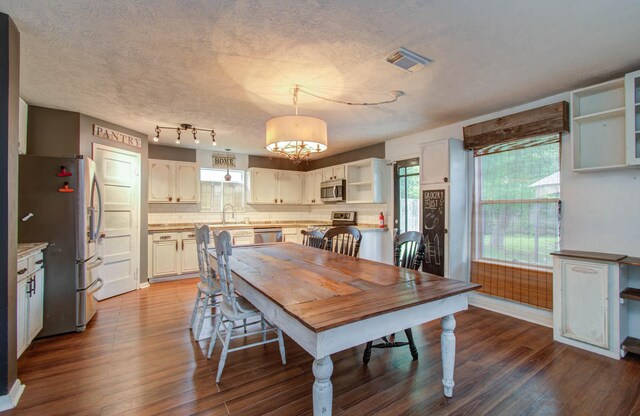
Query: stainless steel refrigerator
pixel 60 203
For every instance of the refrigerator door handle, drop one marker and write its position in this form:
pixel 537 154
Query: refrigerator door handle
pixel 96 189
pixel 95 264
pixel 98 285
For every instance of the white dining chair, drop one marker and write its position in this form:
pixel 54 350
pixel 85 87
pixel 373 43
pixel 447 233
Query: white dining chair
pixel 234 308
pixel 208 286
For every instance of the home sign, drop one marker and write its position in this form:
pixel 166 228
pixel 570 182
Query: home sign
pixel 222 160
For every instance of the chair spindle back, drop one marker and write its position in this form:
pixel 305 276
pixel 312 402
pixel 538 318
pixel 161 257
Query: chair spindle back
pixel 409 250
pixel 223 252
pixel 343 240
pixel 312 238
pixel 202 249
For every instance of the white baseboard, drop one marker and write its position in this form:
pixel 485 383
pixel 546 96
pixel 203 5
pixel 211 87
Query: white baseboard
pixel 172 278
pixel 514 309
pixel 143 285
pixel 10 400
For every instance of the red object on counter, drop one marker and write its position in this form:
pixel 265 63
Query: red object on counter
pixel 65 188
pixel 64 172
pixel 381 220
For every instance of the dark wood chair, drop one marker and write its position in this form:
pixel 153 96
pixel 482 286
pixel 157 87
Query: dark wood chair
pixel 312 238
pixel 408 253
pixel 344 240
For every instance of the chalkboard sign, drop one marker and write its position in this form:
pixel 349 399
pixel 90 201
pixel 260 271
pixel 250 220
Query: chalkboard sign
pixel 433 229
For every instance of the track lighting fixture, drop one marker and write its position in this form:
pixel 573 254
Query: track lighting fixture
pixel 185 127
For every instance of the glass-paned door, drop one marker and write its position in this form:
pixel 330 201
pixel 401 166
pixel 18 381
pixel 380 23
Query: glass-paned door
pixel 406 179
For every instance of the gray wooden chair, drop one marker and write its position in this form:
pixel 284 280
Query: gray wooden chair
pixel 408 253
pixel 208 286
pixel 312 238
pixel 235 308
pixel 343 239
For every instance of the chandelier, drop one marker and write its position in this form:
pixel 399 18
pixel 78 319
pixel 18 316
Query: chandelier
pixel 186 127
pixel 296 137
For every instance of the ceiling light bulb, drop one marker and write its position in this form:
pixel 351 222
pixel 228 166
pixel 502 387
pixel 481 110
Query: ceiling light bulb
pixel 196 141
pixel 214 142
pixel 155 139
pixel 177 141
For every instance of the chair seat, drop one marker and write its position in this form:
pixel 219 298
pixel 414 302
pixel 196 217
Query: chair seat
pixel 209 289
pixel 245 310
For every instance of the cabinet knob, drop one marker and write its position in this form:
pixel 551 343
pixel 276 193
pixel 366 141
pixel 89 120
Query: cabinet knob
pixel 446 231
pixel 40 261
pixel 170 198
pixel 177 199
pixel 22 271
pixel 275 200
pixel 176 245
pixel 182 245
pixel 281 201
pixel 446 179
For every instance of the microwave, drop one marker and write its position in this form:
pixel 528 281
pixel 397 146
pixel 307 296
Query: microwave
pixel 333 191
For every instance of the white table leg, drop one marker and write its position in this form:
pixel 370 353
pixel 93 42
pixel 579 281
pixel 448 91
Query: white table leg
pixel 322 387
pixel 448 343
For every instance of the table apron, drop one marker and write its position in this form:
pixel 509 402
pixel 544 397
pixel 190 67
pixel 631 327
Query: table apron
pixel 353 334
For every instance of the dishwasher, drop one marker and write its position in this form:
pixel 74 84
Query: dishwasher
pixel 267 235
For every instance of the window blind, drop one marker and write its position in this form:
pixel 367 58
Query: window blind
pixel 516 219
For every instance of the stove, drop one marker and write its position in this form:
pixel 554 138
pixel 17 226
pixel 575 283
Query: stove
pixel 343 218
pixel 337 218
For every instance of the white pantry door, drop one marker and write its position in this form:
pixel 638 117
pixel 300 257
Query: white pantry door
pixel 118 173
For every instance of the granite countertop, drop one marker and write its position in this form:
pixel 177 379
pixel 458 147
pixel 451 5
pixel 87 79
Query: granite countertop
pixel 28 249
pixel 163 228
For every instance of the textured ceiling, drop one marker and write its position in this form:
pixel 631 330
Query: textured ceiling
pixel 229 65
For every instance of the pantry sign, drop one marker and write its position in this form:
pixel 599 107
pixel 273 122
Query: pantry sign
pixel 116 136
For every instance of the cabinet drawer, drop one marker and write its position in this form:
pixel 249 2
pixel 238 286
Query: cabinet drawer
pixel 289 231
pixel 36 262
pixel 23 269
pixel 165 236
pixel 188 235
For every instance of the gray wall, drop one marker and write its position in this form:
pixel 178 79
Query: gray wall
pixel 54 132
pixel 375 151
pixel 9 98
pixel 179 154
pixel 87 139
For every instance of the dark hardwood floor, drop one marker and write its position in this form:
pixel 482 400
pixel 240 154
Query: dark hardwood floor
pixel 138 358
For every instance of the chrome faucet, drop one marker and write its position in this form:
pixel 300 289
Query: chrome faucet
pixel 224 213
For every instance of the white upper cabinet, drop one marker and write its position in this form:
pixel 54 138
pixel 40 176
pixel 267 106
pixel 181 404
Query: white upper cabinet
pixel 632 107
pixel 290 186
pixel 187 182
pixel 434 162
pixel 173 182
pixel 262 186
pixel 269 186
pixel 161 181
pixel 313 179
pixel 333 173
pixel 366 181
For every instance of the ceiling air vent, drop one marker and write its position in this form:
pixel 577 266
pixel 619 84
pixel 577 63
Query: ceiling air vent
pixel 407 60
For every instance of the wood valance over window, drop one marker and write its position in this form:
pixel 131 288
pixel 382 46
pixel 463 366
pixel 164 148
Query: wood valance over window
pixel 502 133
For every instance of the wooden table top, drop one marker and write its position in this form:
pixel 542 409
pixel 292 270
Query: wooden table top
pixel 324 290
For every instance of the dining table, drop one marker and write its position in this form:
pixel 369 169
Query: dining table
pixel 328 302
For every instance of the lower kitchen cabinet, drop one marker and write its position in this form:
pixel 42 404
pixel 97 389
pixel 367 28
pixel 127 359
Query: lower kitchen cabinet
pixel 174 254
pixel 586 307
pixel 189 260
pixel 30 300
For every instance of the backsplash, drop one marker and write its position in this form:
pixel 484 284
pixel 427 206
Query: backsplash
pixel 184 214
